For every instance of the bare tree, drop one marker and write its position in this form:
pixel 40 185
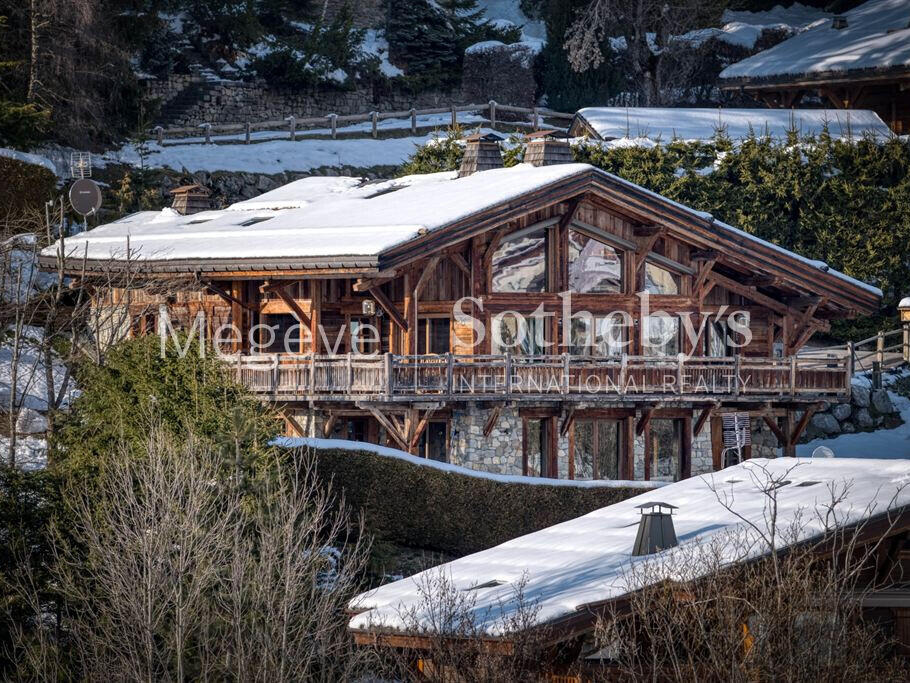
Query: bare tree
pixel 655 54
pixel 760 602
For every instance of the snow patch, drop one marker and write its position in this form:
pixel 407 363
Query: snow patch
pixel 26 158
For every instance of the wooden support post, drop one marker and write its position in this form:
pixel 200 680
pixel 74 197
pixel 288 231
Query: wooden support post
pixel 418 428
pixel 492 420
pixel 905 346
pixel 391 429
pixel 413 113
pixel 247 130
pixel 717 442
pixel 329 425
pixel 315 313
pixel 207 127
pixel 374 121
pixel 454 116
pixel 685 465
pixel 493 114
pixel 782 436
pixel 291 422
pixel 567 422
pixel 159 135
pixel 333 122
pixel 644 421
pixel 292 126
pixel 535 118
pixel 386 305
pixel 799 428
pixel 702 419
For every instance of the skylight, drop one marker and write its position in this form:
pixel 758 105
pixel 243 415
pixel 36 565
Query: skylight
pixel 257 219
pixel 199 220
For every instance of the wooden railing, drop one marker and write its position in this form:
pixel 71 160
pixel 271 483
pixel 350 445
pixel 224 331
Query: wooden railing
pixel 882 350
pixel 461 377
pixel 294 125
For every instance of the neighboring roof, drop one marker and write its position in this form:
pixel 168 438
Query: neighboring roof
pixel 194 188
pixel 610 123
pixel 583 562
pixel 346 222
pixel 877 37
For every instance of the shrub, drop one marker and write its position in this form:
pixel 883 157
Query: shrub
pixel 23 124
pixel 25 187
pixel 423 507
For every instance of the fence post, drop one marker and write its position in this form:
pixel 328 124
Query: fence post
pixel 906 343
pixel 207 127
pixel 493 114
pixel 159 134
pixel 333 122
pixel 374 117
pixel 292 124
pixel 454 116
pixel 880 347
pixel 535 118
pixel 413 121
pixel 249 130
pixel 849 367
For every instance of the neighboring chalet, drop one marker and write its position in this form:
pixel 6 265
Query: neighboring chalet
pixel 582 570
pixel 632 395
pixel 860 59
pixel 702 124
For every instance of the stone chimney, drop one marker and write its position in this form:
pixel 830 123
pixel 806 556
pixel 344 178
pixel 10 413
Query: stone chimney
pixel 655 529
pixel 481 153
pixel 189 199
pixel 547 147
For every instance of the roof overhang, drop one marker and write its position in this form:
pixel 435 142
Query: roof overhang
pixel 817 79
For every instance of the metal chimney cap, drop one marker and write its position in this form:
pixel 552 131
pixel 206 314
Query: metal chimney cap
pixel 657 504
pixel 488 137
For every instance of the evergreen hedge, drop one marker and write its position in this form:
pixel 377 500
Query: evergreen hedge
pixel 427 508
pixel 25 187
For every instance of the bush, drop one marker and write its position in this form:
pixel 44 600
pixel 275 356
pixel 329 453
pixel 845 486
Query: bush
pixel 25 187
pixel 423 507
pixel 23 125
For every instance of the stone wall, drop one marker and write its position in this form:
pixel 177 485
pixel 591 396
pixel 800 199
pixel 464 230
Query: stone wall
pixel 238 102
pixel 868 409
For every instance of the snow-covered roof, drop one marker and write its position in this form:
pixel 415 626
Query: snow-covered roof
pixel 703 123
pixel 877 36
pixel 342 221
pixel 586 560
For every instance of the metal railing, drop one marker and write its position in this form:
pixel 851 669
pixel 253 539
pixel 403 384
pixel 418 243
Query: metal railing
pixel 294 125
pixel 471 377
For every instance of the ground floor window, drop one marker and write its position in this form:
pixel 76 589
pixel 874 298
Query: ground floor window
pixel 666 448
pixel 434 442
pixel 596 448
pixel 539 456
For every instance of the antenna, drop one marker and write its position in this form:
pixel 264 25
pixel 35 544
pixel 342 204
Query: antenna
pixel 80 165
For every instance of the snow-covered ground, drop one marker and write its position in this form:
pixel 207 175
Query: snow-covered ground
pixel 586 560
pixel 27 158
pixel 31 452
pixel 882 443
pixel 507 13
pixel 289 442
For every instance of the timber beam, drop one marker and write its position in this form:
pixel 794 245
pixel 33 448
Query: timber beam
pixel 492 420
pixel 291 303
pixel 386 305
pixel 229 298
pixel 365 284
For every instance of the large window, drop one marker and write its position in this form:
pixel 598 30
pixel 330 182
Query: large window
pixel 538 460
pixel 717 343
pixel 432 335
pixel 660 335
pixel 518 334
pixel 660 280
pixel 596 449
pixel 666 449
pixel 365 336
pixel 433 443
pixel 520 262
pixel 593 266
pixel 596 335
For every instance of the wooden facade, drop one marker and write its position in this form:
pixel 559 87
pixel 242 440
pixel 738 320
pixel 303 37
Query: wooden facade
pixel 410 384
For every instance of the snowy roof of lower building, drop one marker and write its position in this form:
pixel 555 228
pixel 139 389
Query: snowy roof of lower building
pixel 345 222
pixel 611 123
pixel 877 36
pixel 585 561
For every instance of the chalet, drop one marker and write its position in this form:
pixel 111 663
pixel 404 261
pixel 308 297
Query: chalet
pixel 551 320
pixel 582 570
pixel 860 59
pixel 703 124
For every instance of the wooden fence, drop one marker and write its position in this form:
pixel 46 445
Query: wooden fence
pixel 880 351
pixel 293 125
pixel 464 377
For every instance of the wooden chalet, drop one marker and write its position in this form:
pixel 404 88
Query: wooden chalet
pixel 324 260
pixel 858 60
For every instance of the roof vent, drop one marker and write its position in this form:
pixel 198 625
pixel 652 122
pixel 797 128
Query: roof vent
pixel 190 199
pixel 481 153
pixel 547 148
pixel 839 22
pixel 655 529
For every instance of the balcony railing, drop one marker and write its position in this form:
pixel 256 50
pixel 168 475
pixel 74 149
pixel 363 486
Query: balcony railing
pixel 462 377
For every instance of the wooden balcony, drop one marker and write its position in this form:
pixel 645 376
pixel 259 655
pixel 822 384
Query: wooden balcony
pixel 624 378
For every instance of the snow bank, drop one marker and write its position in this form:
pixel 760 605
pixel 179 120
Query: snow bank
pixel 702 124
pixel 876 37
pixel 31 452
pixel 288 442
pixel 584 560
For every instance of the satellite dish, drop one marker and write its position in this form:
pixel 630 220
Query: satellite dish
pixel 822 452
pixel 85 196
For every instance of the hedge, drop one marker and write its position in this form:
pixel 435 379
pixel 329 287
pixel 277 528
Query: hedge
pixel 426 508
pixel 25 187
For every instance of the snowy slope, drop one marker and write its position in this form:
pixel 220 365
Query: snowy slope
pixel 341 444
pixel 702 123
pixel 877 36
pixel 581 561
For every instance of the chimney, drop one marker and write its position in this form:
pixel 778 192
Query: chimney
pixel 189 199
pixel 655 529
pixel 481 153
pixel 839 22
pixel 547 147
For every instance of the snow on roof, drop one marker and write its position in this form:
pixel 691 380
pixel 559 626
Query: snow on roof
pixel 337 217
pixel 703 123
pixel 586 560
pixel 385 451
pixel 877 36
